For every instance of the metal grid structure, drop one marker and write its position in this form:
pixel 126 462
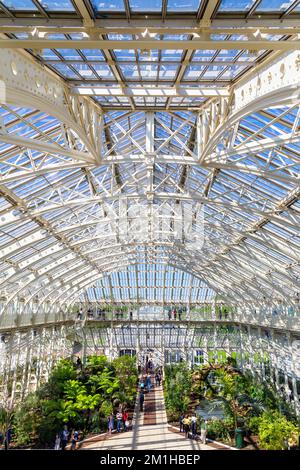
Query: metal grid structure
pixel 150 158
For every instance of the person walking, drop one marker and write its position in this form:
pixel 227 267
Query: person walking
pixel 142 384
pixel 141 400
pixel 64 437
pixel 110 423
pixel 181 426
pixel 194 426
pixel 119 421
pixel 157 379
pixel 203 431
pixel 159 376
pixel 148 382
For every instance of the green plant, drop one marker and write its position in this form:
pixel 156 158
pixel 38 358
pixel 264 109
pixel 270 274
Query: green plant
pixel 276 432
pixel 220 429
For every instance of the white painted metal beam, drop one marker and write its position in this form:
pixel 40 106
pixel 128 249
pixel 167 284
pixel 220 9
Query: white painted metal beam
pixel 195 44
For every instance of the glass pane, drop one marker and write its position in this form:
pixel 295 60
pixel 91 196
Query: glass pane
pixel 274 5
pixel 108 5
pixel 57 5
pixel 171 55
pixel 69 54
pixel 236 5
pixel 183 5
pixel 22 5
pixel 84 70
pixel 145 5
pixel 193 72
pixel 64 70
pixel 92 54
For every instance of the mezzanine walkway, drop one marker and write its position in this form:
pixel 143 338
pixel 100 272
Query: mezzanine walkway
pixel 150 431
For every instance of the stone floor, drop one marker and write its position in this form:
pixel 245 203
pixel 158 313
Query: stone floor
pixel 150 431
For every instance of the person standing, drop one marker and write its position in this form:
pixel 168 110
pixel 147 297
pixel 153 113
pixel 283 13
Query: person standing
pixel 181 426
pixel 186 425
pixel 74 439
pixel 203 431
pixel 142 399
pixel 57 442
pixel 125 419
pixel 110 423
pixel 119 421
pixel 179 314
pixel 64 437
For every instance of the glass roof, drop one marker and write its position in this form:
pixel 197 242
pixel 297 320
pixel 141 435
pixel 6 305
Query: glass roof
pixel 110 199
pixel 156 7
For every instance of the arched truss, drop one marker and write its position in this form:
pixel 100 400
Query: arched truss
pixel 78 186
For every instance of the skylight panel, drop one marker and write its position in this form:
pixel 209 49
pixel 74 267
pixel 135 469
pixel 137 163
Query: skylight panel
pixel 49 54
pixel 57 5
pixel 274 5
pixel 92 54
pixel 193 72
pixel 171 55
pixel 145 5
pixel 108 5
pixel 103 70
pixel 212 72
pixel 20 5
pixel 125 54
pixel 64 70
pixel 69 54
pixel 129 71
pixel 183 6
pixel 168 72
pixel 232 72
pixel 236 5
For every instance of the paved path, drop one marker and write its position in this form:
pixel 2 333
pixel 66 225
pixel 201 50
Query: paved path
pixel 145 434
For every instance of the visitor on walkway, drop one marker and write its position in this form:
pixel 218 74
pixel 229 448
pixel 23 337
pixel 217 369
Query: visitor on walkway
pixel 110 423
pixel 78 362
pixel 157 379
pixel 170 314
pixel 125 419
pixel 186 425
pixel 148 382
pixel 141 400
pixel 179 314
pixel 74 439
pixel 181 418
pixel 57 442
pixel 175 313
pixel 64 437
pixel 119 421
pixel 194 426
pixel 142 384
pixel 203 431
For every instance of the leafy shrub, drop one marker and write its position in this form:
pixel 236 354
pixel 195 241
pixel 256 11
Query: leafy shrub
pixel 275 431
